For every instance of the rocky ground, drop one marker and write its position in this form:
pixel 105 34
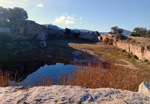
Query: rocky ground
pixel 70 95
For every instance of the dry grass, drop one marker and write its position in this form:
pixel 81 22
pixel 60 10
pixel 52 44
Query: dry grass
pixel 4 79
pixel 97 77
pixel 92 77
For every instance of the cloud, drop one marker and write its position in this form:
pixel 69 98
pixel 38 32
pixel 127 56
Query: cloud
pixel 60 19
pixel 69 22
pixel 65 18
pixel 40 5
pixel 80 18
pixel 25 0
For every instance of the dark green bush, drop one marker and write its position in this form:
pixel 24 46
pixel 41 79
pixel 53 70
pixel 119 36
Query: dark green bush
pixel 135 34
pixel 148 47
pixel 145 60
pixel 136 57
pixel 120 36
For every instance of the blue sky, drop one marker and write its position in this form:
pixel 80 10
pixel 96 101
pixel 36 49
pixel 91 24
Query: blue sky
pixel 98 15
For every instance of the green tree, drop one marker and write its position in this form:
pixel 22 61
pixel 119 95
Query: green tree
pixel 3 12
pixel 147 34
pixel 139 31
pixel 67 31
pixel 116 30
pixel 16 13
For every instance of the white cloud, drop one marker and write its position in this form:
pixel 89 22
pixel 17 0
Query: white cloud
pixel 40 5
pixel 66 19
pixel 60 19
pixel 80 18
pixel 69 22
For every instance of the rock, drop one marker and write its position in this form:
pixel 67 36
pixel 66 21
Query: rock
pixel 144 88
pixel 9 45
pixel 43 44
pixel 89 36
pixel 41 37
pixel 49 56
pixel 22 43
pixel 70 95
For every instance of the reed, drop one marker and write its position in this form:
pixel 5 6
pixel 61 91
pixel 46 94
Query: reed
pixel 91 76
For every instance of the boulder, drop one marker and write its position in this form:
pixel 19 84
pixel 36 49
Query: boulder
pixel 42 44
pixel 89 36
pixel 144 88
pixel 41 37
pixel 9 45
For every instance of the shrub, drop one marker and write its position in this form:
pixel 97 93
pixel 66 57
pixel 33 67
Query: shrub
pixel 106 40
pixel 133 41
pixel 110 42
pixel 67 31
pixel 120 36
pixel 147 34
pixel 123 50
pixel 145 60
pixel 76 34
pixel 148 47
pixel 129 55
pixel 135 34
pixel 5 37
pixel 136 57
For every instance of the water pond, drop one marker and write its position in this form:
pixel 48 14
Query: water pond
pixel 45 72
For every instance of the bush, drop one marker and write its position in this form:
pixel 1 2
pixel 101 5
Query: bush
pixel 147 34
pixel 106 40
pixel 136 57
pixel 148 47
pixel 132 41
pixel 120 36
pixel 5 37
pixel 145 60
pixel 76 34
pixel 135 34
pixel 110 42
pixel 67 31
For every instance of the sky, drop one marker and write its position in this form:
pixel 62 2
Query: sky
pixel 96 15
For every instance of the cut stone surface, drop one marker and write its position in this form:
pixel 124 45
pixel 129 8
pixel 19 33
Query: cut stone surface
pixel 70 94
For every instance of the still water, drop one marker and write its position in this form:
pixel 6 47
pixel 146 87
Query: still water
pixel 44 72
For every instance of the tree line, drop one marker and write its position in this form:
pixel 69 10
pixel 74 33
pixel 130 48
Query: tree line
pixel 12 14
pixel 141 32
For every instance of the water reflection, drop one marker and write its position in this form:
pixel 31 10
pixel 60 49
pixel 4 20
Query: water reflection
pixel 28 72
pixel 44 72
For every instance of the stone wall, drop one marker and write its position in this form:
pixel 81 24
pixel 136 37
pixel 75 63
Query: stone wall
pixel 137 49
pixel 4 30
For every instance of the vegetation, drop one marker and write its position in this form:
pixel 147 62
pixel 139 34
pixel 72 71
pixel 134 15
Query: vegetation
pixel 140 32
pixel 136 57
pixel 67 31
pixel 116 30
pixel 148 47
pixel 13 14
pixel 120 36
pixel 92 76
pixel 106 40
pixel 4 38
